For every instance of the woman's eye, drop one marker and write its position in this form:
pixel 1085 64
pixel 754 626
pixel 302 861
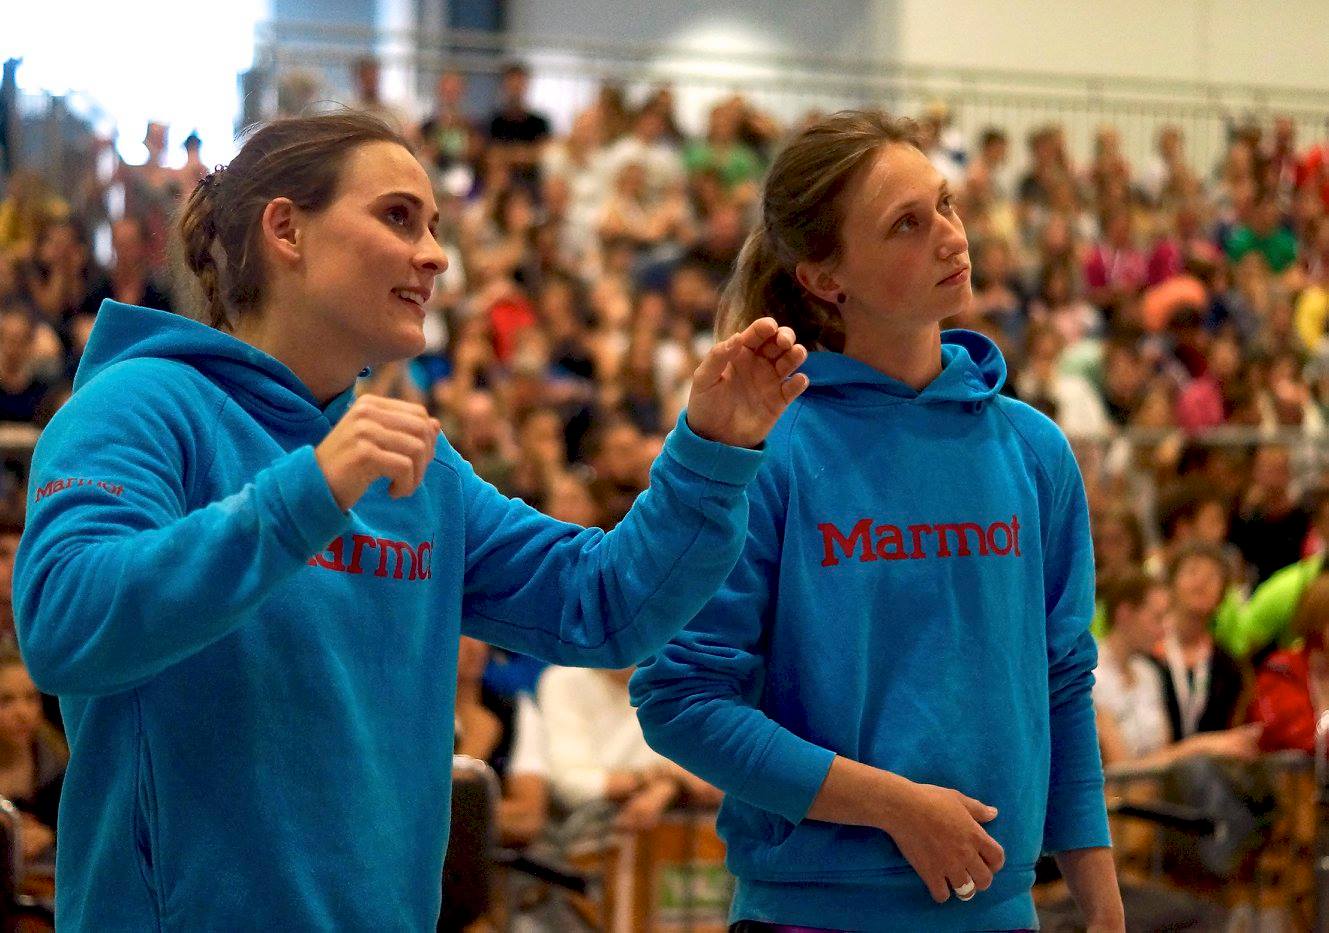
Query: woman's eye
pixel 905 223
pixel 947 204
pixel 398 216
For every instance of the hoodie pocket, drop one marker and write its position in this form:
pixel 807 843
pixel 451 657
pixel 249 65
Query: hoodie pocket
pixel 145 823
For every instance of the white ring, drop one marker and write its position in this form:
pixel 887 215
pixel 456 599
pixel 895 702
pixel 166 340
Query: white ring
pixel 967 890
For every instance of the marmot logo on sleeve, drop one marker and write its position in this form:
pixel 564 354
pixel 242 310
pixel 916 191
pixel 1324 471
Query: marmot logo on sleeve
pixel 407 562
pixel 890 542
pixel 60 485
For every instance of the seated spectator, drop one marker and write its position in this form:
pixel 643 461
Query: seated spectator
pixel 1115 269
pixel 29 207
pixel 22 387
pixel 1269 525
pixel 1129 691
pixel 738 166
pixel 1265 236
pixel 1203 683
pixel 1292 685
pixel 129 278
pixel 598 755
pixel 507 733
pixel 450 142
pixel 32 758
pixel 648 144
pixel 11 530
pixel 1266 619
pixel 1066 398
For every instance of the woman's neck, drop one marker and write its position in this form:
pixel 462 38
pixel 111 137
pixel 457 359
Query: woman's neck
pixel 280 334
pixel 913 356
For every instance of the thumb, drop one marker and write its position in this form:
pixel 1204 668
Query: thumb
pixel 981 812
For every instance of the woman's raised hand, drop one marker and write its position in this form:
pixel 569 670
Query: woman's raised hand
pixel 743 385
pixel 377 437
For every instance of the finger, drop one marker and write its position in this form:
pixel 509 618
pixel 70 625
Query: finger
pixel 993 855
pixel 979 871
pixel 793 387
pixel 411 446
pixel 958 878
pixel 386 403
pixel 399 469
pixel 758 332
pixel 937 886
pixel 794 358
pixel 979 810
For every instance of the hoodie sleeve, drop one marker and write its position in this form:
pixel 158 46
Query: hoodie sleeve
pixel 581 597
pixel 697 699
pixel 119 575
pixel 1076 812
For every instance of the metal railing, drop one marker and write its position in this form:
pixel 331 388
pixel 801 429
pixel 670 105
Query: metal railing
pixel 569 70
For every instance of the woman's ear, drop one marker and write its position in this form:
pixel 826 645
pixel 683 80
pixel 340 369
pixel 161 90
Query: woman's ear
pixel 280 230
pixel 818 281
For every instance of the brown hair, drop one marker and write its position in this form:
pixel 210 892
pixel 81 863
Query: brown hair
pixel 300 158
pixel 1312 613
pixel 1126 589
pixel 802 211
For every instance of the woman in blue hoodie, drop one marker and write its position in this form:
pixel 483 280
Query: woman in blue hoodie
pixel 228 574
pixel 893 686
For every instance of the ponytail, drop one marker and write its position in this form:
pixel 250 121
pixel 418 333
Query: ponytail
pixel 763 285
pixel 198 237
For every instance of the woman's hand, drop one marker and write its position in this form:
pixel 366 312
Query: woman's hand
pixel 743 385
pixel 643 810
pixel 377 437
pixel 938 831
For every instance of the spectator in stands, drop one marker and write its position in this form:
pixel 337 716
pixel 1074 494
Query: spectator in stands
pixel 1168 178
pixel 1266 619
pixel 508 734
pixel 1203 683
pixel 1292 685
pixel 649 146
pixel 1129 685
pixel 1265 236
pixel 153 192
pixel 22 387
pixel 450 141
pixel 11 529
pixel 737 165
pixel 29 207
pixel 1269 524
pixel 128 279
pixel 32 758
pixel 1115 269
pixel 517 134
pixel 597 754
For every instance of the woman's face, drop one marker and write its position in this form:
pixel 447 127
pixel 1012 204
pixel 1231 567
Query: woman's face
pixel 1145 625
pixel 20 705
pixel 369 259
pixel 906 259
pixel 1198 588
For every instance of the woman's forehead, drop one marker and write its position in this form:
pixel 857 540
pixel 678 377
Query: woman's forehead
pixel 379 168
pixel 899 173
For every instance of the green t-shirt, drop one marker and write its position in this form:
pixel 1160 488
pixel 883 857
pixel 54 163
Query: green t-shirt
pixel 1279 248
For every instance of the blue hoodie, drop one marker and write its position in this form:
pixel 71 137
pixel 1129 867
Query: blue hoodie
pixel 258 687
pixel 915 594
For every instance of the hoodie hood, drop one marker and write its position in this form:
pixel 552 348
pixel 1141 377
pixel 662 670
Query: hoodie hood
pixel 262 384
pixel 972 372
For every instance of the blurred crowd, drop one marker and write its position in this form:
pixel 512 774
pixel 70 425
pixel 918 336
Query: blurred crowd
pixel 1171 317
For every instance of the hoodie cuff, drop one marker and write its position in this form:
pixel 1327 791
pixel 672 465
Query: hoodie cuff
pixel 791 777
pixel 312 513
pixel 715 461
